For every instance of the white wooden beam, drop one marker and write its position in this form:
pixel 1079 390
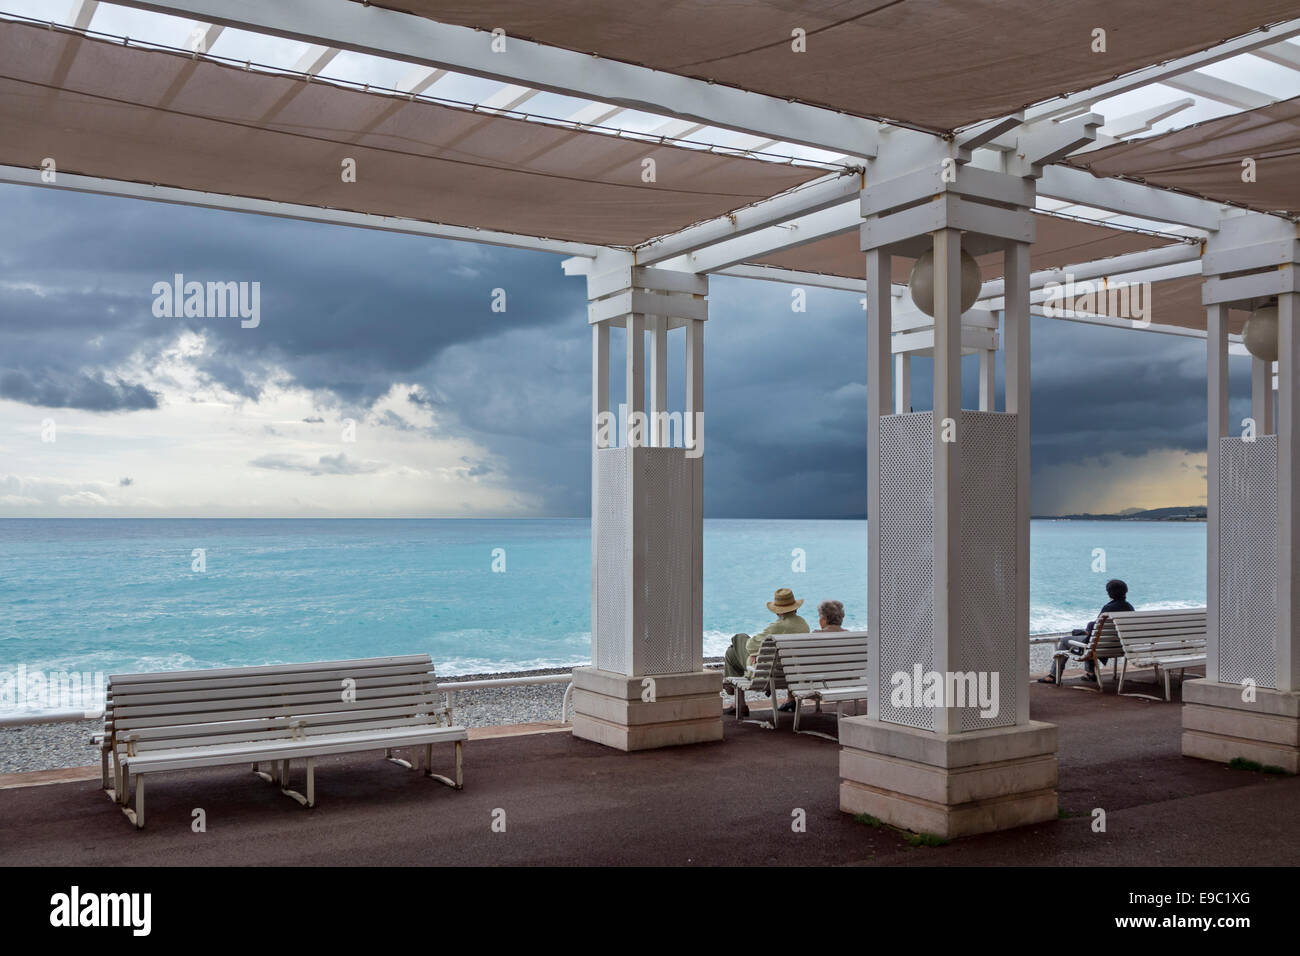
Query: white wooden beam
pixel 81 13
pixel 186 197
pixel 315 59
pixel 1221 91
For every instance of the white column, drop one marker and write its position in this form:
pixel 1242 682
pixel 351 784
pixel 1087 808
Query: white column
pixel 693 428
pixel 1262 396
pixel 1288 492
pixel 879 319
pixel 658 380
pixel 988 380
pixel 599 415
pixel 634 555
pixel 1015 332
pixel 947 465
pixel 1216 337
pixel 902 383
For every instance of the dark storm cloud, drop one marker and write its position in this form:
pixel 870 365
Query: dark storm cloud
pixel 57 388
pixel 349 313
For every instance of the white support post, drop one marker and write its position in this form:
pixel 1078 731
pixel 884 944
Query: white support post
pixel 647 686
pixel 1288 493
pixel 902 383
pixel 948 534
pixel 947 464
pixel 879 323
pixel 1216 349
pixel 634 515
pixel 988 380
pixel 1015 335
pixel 1262 396
pixel 1248 705
pixel 658 381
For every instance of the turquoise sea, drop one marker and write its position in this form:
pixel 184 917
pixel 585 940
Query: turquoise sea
pixel 115 595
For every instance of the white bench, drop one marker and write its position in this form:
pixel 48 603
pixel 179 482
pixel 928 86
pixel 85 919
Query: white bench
pixel 1163 640
pixel 1104 643
pixel 183 720
pixel 766 677
pixel 829 667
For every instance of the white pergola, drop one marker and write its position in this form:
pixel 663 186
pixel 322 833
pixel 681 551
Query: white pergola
pixel 948 516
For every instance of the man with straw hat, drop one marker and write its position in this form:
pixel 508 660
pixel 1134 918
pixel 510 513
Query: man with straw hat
pixel 743 652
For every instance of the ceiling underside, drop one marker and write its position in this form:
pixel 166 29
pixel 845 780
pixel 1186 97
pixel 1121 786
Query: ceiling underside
pixel 937 64
pixel 111 111
pixel 1207 159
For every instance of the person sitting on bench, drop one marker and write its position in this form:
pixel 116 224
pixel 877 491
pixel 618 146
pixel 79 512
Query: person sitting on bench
pixel 743 652
pixel 1117 590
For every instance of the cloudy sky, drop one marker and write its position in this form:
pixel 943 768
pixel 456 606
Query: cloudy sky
pixel 381 382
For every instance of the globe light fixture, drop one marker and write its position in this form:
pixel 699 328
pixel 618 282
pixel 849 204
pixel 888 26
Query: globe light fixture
pixel 921 282
pixel 1260 333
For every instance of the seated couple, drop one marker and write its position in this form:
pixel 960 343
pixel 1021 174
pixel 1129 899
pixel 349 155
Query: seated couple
pixel 1117 591
pixel 743 652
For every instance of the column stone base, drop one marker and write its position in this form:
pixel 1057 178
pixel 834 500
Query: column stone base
pixel 951 785
pixel 608 709
pixel 1218 725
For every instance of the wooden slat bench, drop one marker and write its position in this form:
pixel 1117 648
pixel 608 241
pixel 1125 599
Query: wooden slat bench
pixel 1163 640
pixel 182 720
pixel 767 677
pixel 1102 643
pixel 830 667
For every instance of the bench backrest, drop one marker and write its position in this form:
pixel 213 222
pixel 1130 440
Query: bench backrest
pixel 767 668
pixel 1155 634
pixel 823 661
pixel 242 704
pixel 1105 641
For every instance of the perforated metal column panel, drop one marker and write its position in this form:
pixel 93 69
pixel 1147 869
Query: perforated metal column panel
pixel 988 644
pixel 1248 566
pixel 611 513
pixel 906 558
pixel 665 637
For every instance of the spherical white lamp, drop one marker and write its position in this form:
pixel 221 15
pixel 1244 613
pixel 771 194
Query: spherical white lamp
pixel 921 282
pixel 1260 333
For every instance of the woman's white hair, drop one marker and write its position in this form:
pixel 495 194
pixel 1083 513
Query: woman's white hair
pixel 832 611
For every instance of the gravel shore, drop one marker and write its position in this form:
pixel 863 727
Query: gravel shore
pixel 53 746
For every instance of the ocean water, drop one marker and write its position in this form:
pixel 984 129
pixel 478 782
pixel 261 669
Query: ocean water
pixel 119 595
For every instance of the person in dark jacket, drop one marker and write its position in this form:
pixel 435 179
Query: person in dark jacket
pixel 1117 591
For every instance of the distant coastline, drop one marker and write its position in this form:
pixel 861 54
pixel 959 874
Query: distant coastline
pixel 1192 513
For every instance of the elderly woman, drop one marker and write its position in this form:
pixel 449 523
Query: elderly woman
pixel 830 617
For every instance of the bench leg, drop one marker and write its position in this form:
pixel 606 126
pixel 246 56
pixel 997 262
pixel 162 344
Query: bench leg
pixel 310 799
pixel 136 816
pixel 459 782
pixel 1120 688
pixel 1165 671
pixel 103 767
pixel 388 755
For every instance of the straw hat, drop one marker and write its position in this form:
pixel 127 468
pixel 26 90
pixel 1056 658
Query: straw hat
pixel 783 602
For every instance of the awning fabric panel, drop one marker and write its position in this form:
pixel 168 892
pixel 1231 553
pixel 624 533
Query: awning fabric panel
pixel 102 109
pixel 1206 159
pixel 1059 242
pixel 939 64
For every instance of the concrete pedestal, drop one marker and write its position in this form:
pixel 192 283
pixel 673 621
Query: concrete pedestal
pixel 609 709
pixel 950 785
pixel 1218 725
